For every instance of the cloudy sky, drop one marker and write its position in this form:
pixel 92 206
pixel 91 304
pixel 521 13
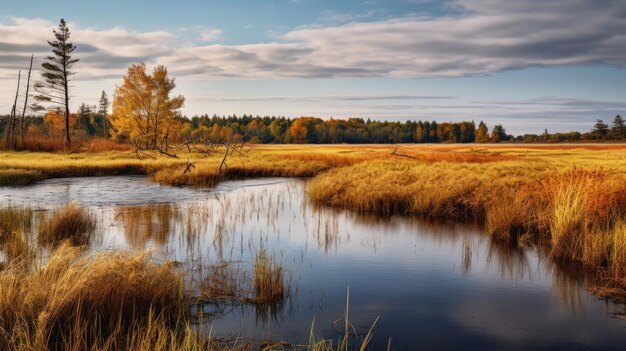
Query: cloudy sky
pixel 528 64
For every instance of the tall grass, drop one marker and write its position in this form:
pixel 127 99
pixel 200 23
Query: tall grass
pixel 18 177
pixel 578 213
pixel 107 301
pixel 268 279
pixel 70 223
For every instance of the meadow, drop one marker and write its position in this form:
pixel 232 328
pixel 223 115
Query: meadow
pixel 566 199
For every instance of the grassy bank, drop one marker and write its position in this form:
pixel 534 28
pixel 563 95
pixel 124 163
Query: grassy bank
pixel 570 198
pixel 572 202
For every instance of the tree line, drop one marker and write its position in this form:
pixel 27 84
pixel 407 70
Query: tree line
pixel 95 121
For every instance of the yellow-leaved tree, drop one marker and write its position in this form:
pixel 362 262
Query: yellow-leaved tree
pixel 143 111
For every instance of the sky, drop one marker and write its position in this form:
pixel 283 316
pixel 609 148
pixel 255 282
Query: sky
pixel 530 65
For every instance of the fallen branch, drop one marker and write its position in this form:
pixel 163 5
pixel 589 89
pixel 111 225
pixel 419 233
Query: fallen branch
pixel 395 153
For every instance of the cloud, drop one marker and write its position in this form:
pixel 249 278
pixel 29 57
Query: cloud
pixel 480 37
pixel 321 98
pixel 476 37
pixel 102 53
pixel 211 35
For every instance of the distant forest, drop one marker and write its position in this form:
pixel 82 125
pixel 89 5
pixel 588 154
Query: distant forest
pixel 88 123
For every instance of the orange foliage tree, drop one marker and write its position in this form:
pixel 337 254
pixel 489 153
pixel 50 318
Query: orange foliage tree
pixel 143 110
pixel 54 122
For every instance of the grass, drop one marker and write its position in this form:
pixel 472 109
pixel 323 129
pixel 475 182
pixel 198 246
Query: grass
pixel 71 223
pixel 267 288
pixel 107 301
pixel 268 279
pixel 117 300
pixel 569 198
pixel 18 177
pixel 574 206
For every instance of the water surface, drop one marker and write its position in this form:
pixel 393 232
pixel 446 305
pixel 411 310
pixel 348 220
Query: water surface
pixel 432 285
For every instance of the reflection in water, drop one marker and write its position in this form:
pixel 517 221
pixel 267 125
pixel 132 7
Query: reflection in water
pixel 510 259
pixel 434 284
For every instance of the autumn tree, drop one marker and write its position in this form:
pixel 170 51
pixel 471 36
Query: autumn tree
pixel 482 133
pixel 143 110
pixel 303 130
pixel 53 90
pixel 54 123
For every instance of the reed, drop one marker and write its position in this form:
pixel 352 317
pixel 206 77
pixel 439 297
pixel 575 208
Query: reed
pixel 71 223
pixel 106 301
pixel 268 279
pixel 19 177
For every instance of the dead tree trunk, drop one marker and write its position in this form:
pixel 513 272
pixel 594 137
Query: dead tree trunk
pixel 9 142
pixel 22 131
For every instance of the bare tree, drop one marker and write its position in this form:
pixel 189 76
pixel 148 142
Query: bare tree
pixel 9 142
pixel 56 74
pixel 30 69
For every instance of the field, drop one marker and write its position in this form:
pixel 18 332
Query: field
pixel 569 200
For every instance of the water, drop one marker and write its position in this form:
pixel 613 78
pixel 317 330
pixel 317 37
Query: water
pixel 432 285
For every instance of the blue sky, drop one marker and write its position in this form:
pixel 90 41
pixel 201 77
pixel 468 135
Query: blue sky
pixel 530 65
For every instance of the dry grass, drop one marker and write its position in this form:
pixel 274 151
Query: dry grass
pixel 71 223
pixel 40 144
pixel 107 301
pixel 221 283
pixel 19 177
pixel 567 196
pixel 577 212
pixel 268 279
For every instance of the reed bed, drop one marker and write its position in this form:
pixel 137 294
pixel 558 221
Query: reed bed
pixel 578 213
pixel 70 223
pixel 107 301
pixel 268 279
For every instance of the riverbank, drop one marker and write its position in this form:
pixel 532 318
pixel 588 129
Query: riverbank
pixel 569 199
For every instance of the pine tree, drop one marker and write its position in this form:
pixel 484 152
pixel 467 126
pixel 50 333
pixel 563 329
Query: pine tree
pixel 56 74
pixel 618 130
pixel 103 111
pixel 600 130
pixel 498 133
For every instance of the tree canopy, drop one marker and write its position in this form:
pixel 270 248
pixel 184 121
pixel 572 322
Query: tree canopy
pixel 143 110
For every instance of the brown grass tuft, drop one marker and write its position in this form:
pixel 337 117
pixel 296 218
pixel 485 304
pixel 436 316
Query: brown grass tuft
pixel 71 223
pixel 108 301
pixel 268 280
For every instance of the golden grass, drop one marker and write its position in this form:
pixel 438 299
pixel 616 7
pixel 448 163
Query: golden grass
pixel 70 223
pixel 107 301
pixel 17 177
pixel 569 197
pixel 268 279
pixel 578 212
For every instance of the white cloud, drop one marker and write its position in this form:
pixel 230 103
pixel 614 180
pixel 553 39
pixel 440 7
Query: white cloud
pixel 211 35
pixel 480 37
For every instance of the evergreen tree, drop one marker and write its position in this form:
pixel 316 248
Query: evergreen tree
pixel 600 130
pixel 618 130
pixel 103 111
pixel 498 133
pixel 56 74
